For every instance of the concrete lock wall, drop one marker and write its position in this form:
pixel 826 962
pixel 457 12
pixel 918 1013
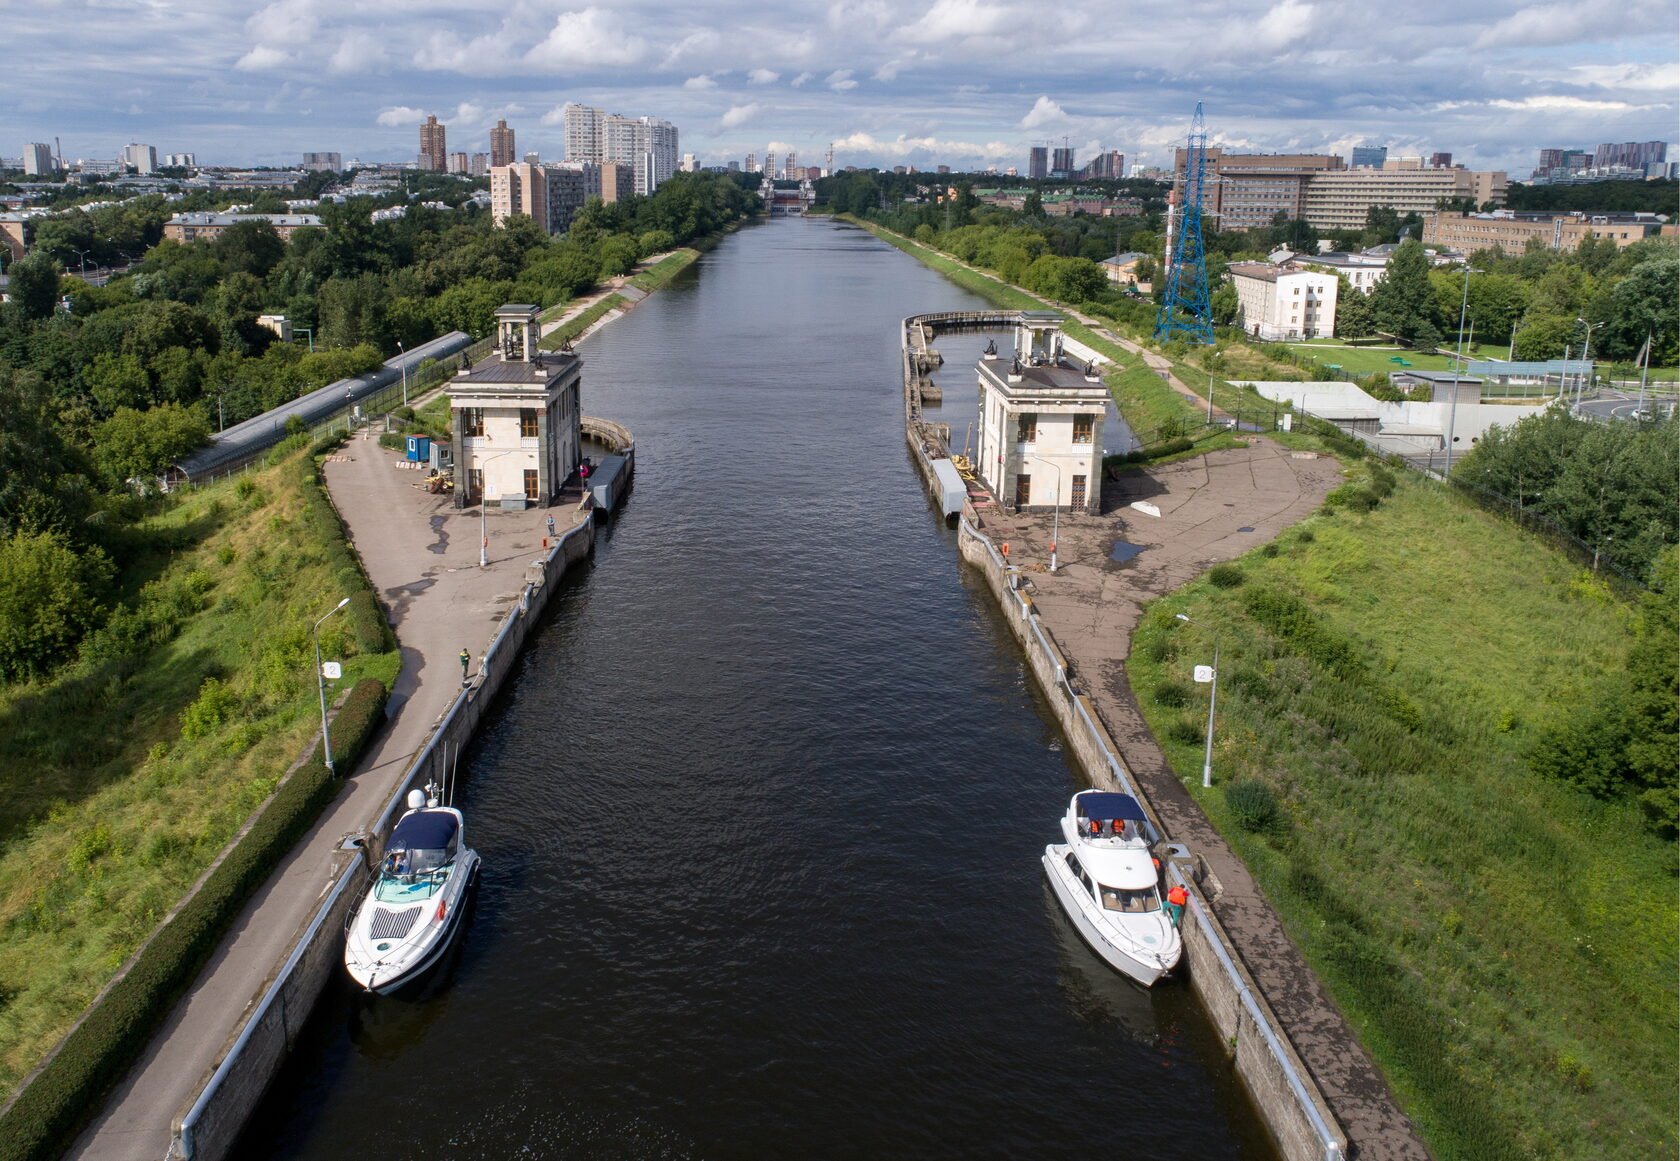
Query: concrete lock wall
pixel 207 1129
pixel 1285 1095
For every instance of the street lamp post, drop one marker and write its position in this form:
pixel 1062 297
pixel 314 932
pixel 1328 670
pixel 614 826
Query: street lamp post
pixel 1463 308
pixel 1055 511
pixel 1586 355
pixel 1211 359
pixel 1213 697
pixel 321 683
pixel 401 350
pixel 483 499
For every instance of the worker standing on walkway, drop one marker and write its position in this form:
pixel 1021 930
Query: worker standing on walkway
pixel 1176 899
pixel 466 660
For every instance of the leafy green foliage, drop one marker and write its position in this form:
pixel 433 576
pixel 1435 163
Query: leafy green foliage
pixel 1252 804
pixel 140 445
pixel 49 596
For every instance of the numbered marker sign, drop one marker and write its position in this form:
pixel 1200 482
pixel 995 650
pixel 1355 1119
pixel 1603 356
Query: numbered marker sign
pixel 332 670
pixel 1204 673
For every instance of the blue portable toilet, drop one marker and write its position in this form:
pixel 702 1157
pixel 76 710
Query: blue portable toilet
pixel 419 448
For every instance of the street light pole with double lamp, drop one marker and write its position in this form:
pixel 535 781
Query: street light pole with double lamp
pixel 483 501
pixel 321 683
pixel 1055 511
pixel 1213 697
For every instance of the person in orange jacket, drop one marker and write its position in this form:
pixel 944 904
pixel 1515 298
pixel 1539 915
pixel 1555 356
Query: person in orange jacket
pixel 1176 899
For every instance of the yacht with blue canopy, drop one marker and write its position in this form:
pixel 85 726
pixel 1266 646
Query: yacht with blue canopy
pixel 413 908
pixel 1108 882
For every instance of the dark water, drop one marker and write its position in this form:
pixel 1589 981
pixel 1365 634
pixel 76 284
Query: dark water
pixel 762 812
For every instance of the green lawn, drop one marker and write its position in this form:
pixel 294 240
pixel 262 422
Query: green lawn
pixel 126 774
pixel 576 326
pixel 1504 946
pixel 664 270
pixel 1365 360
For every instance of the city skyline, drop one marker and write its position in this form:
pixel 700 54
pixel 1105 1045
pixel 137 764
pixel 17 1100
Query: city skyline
pixel 945 82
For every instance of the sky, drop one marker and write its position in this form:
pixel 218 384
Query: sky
pixel 964 83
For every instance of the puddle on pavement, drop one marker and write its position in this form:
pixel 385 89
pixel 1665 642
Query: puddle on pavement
pixel 1246 528
pixel 1123 551
pixel 442 542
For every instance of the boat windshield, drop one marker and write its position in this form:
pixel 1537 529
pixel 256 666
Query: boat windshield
pixel 1132 902
pixel 412 874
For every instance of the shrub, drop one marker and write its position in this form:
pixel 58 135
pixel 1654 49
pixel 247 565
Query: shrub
pixel 1172 693
pixel 1252 804
pixel 1305 536
pixel 1269 550
pixel 68 1090
pixel 1185 728
pixel 391 441
pixel 1226 576
pixel 1352 497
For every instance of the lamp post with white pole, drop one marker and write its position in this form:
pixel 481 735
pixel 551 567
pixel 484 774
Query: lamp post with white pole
pixel 403 352
pixel 1213 696
pixel 321 683
pixel 1055 511
pixel 1215 355
pixel 1586 355
pixel 483 500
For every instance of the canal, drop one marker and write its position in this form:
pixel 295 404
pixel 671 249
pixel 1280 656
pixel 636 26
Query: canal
pixel 762 811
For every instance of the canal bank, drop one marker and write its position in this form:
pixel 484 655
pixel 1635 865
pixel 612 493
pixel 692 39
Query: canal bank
pixel 781 883
pixel 1313 1083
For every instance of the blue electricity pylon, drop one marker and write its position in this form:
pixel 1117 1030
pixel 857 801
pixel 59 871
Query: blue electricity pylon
pixel 1184 309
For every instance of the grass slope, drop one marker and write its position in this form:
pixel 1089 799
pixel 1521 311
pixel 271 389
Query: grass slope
pixel 1505 947
pixel 122 778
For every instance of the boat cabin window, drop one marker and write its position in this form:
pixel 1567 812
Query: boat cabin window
pixel 1132 902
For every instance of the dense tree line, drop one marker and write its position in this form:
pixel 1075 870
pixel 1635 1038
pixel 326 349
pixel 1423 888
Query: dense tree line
pixel 1624 197
pixel 101 387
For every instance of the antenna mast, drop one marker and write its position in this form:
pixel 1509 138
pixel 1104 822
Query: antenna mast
pixel 1184 310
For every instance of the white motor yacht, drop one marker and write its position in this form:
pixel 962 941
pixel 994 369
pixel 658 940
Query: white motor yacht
pixel 1108 883
pixel 413 909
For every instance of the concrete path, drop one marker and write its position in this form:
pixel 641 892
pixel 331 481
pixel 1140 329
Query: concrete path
pixel 422 556
pixel 1213 508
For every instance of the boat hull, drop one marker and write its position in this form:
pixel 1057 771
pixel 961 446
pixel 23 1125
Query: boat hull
pixel 1069 894
pixel 369 970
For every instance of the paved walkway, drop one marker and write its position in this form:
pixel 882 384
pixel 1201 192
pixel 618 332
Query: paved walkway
pixel 1213 508
pixel 422 556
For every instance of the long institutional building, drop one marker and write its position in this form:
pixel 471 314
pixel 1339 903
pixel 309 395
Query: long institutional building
pixel 1248 189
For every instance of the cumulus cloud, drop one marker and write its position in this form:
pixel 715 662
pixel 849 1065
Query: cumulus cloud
pixel 397 115
pixel 261 58
pixel 592 37
pixel 1574 22
pixel 739 115
pixel 840 80
pixel 1284 25
pixel 287 22
pixel 1044 112
pixel 762 77
pixel 904 145
pixel 958 20
pixel 357 52
pixel 801 79
pixel 699 83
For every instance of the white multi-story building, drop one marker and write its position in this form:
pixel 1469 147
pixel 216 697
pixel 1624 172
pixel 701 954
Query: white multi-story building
pixel 1279 304
pixel 38 158
pixel 1041 421
pixel 181 161
pixel 140 158
pixel 645 146
pixel 324 162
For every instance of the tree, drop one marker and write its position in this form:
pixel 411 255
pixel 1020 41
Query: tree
pixel 1646 302
pixel 1033 205
pixel 249 247
pixel 140 445
pixel 1353 310
pixel 117 382
pixel 1404 301
pixel 1544 337
pixel 47 601
pixel 34 287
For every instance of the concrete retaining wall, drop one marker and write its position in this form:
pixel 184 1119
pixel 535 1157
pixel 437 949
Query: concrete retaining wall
pixel 206 1130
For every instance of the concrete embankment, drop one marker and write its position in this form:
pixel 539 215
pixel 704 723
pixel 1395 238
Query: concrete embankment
pixel 1288 1098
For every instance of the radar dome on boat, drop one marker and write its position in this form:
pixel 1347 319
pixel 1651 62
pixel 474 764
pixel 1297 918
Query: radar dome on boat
pixel 416 799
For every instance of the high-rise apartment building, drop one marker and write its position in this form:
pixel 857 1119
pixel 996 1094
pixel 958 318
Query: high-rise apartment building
pixel 1108 166
pixel 532 158
pixel 480 164
pixel 547 194
pixel 646 145
pixel 752 163
pixel 1632 154
pixel 458 163
pixel 1061 162
pixel 1372 155
pixel 434 151
pixel 139 158
pixel 180 160
pixel 1038 161
pixel 501 144
pixel 323 162
pixel 791 164
pixel 1440 161
pixel 38 159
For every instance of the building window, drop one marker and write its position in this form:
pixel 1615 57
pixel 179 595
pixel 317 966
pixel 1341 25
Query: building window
pixel 531 483
pixel 1079 491
pixel 472 421
pixel 1023 491
pixel 1028 430
pixel 475 482
pixel 528 423
pixel 1082 426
